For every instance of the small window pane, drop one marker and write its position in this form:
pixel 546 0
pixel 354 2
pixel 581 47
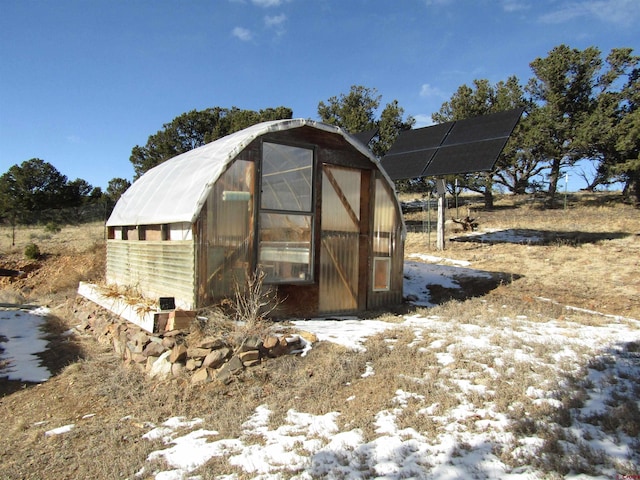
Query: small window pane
pixel 285 247
pixel 286 178
pixel 383 220
pixel 381 274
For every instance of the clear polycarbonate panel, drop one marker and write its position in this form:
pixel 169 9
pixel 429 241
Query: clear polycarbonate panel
pixel 228 222
pixel 340 234
pixel 384 220
pixel 339 272
pixel 341 199
pixel 287 174
pixel 381 274
pixel 285 252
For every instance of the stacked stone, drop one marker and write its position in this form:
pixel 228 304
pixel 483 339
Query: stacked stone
pixel 176 353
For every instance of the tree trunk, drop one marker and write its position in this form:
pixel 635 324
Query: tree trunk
pixel 488 192
pixel 632 188
pixel 520 187
pixel 554 176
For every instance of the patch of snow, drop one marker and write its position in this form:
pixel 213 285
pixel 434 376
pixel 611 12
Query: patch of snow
pixel 22 329
pixel 59 430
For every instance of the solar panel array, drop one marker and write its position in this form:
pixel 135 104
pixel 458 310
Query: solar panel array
pixel 366 136
pixel 463 146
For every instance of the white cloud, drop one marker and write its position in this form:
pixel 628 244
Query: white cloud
pixel 618 12
pixel 422 120
pixel 437 2
pixel 242 33
pixel 268 3
pixel 429 91
pixel 511 6
pixel 275 20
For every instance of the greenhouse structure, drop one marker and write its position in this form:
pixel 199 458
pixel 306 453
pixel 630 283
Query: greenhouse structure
pixel 303 202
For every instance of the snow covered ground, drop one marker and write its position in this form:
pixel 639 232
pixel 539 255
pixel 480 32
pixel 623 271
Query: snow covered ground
pixel 474 437
pixel 22 339
pixel 471 436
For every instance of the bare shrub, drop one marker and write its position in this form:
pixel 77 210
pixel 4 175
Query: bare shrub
pixel 252 303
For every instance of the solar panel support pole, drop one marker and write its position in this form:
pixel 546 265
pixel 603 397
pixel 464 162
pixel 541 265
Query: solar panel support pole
pixel 441 190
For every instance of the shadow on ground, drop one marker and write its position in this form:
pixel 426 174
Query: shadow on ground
pixel 539 237
pixel 469 286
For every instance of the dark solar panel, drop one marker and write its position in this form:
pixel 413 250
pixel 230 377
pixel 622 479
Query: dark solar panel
pixel 366 136
pixel 464 146
pixel 485 127
pixel 420 138
pixel 407 165
pixel 465 158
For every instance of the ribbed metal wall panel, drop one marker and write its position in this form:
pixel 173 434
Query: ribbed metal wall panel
pixel 163 268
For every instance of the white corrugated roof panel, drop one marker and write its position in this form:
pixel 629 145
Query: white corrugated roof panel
pixel 176 190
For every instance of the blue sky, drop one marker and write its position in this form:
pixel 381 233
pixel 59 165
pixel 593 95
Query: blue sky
pixel 83 82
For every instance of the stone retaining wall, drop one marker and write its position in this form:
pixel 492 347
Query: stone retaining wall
pixel 204 358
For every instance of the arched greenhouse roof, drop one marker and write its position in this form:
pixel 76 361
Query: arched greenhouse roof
pixel 176 190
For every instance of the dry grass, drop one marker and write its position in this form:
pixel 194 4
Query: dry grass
pixel 590 260
pixel 78 238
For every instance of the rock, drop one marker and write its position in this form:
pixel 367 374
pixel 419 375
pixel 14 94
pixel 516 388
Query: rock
pixel 134 347
pixel 178 354
pixel 192 364
pixel 177 369
pixel 308 336
pixel 161 367
pixel 140 338
pixel 249 357
pixel 226 372
pixel 211 343
pixel 279 349
pixel 153 349
pixel 172 333
pixel 216 358
pixel 138 358
pixel 201 376
pixel 252 342
pixel 270 342
pixel 194 352
pixel 169 342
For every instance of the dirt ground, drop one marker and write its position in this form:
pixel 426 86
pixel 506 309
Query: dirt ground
pixel 590 259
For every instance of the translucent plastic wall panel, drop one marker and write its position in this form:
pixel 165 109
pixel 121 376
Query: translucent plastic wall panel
pixel 339 272
pixel 229 221
pixel 384 220
pixel 286 178
pixel 156 269
pixel 284 252
pixel 339 251
pixel 341 199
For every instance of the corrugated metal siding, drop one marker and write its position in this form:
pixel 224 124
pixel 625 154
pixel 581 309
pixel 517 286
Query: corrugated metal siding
pixel 163 268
